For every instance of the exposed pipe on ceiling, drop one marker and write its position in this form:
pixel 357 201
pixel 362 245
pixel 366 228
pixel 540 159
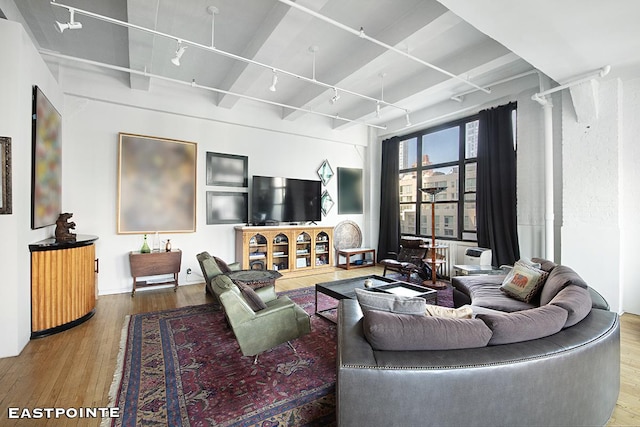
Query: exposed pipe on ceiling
pixel 360 33
pixel 212 89
pixel 538 97
pixel 222 52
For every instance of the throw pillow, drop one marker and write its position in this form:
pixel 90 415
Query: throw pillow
pixel 523 282
pixel 577 302
pixel 559 278
pixel 524 325
pixel 464 312
pixel 371 300
pixel 402 332
pixel 251 297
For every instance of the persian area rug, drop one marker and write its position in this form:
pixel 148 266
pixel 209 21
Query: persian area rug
pixel 183 367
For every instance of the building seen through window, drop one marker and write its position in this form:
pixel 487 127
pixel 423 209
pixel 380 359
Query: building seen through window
pixel 440 157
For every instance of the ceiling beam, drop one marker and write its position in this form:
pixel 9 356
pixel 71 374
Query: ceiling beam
pixel 275 32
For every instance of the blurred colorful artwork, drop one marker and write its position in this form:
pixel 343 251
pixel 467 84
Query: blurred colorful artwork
pixel 46 182
pixel 5 175
pixel 156 185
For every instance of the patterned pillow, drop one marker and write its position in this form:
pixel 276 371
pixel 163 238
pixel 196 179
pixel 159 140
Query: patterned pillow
pixel 523 282
pixel 371 300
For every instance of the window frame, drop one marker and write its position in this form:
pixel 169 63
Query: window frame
pixel 461 163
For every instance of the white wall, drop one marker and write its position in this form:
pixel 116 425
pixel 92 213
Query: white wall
pixel 100 105
pixel 21 68
pixel 630 177
pixel 592 194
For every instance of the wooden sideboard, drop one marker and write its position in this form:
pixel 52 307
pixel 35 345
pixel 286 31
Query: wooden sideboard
pixel 63 284
pixel 287 249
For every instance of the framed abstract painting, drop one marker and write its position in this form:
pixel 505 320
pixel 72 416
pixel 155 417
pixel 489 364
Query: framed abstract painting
pixel 5 178
pixel 46 168
pixel 156 185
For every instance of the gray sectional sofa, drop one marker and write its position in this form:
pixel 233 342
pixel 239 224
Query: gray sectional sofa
pixel 525 375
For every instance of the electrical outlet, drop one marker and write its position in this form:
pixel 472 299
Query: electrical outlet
pixel 188 271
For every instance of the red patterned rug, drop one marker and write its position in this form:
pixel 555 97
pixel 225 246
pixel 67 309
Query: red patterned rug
pixel 183 367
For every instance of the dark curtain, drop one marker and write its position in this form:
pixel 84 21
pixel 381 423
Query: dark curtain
pixel 496 185
pixel 389 232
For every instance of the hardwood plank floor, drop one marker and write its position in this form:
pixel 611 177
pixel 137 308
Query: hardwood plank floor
pixel 75 368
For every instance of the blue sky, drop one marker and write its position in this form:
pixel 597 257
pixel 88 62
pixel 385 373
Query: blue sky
pixel 441 146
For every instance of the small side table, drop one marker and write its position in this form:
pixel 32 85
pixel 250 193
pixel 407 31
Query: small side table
pixel 362 261
pixel 155 264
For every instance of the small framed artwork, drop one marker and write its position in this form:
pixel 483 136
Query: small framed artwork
pixel 46 167
pixel 326 202
pixel 350 191
pixel 156 185
pixel 5 179
pixel 325 172
pixel 227 170
pixel 227 207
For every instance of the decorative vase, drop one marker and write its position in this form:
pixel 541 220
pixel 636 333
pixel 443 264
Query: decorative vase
pixel 145 246
pixel 156 243
pixel 167 246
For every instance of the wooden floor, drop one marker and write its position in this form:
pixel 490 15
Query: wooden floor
pixel 75 368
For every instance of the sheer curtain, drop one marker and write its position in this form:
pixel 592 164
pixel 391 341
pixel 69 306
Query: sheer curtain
pixel 496 185
pixel 389 231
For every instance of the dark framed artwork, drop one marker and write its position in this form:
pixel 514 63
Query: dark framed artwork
pixel 46 167
pixel 156 185
pixel 5 179
pixel 350 191
pixel 227 170
pixel 227 207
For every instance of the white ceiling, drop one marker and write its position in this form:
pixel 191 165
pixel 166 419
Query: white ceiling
pixel 562 39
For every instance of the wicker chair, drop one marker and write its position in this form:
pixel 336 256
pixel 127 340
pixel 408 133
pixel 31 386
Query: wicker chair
pixel 408 259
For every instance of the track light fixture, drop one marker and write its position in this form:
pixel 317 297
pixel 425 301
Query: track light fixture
pixel 71 25
pixel 274 81
pixel 335 97
pixel 406 118
pixel 378 109
pixel 179 52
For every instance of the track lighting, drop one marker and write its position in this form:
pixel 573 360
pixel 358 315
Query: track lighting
pixel 335 96
pixel 179 52
pixel 406 117
pixel 71 25
pixel 378 109
pixel 274 82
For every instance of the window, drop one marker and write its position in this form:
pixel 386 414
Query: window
pixel 444 156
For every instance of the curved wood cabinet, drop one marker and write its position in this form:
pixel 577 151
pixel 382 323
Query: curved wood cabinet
pixel 63 284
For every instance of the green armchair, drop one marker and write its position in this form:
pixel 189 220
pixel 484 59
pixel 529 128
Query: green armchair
pixel 256 331
pixel 213 266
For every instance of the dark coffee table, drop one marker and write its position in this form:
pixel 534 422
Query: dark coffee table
pixel 346 289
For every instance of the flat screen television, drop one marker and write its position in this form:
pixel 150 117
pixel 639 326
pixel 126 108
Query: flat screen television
pixel 277 199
